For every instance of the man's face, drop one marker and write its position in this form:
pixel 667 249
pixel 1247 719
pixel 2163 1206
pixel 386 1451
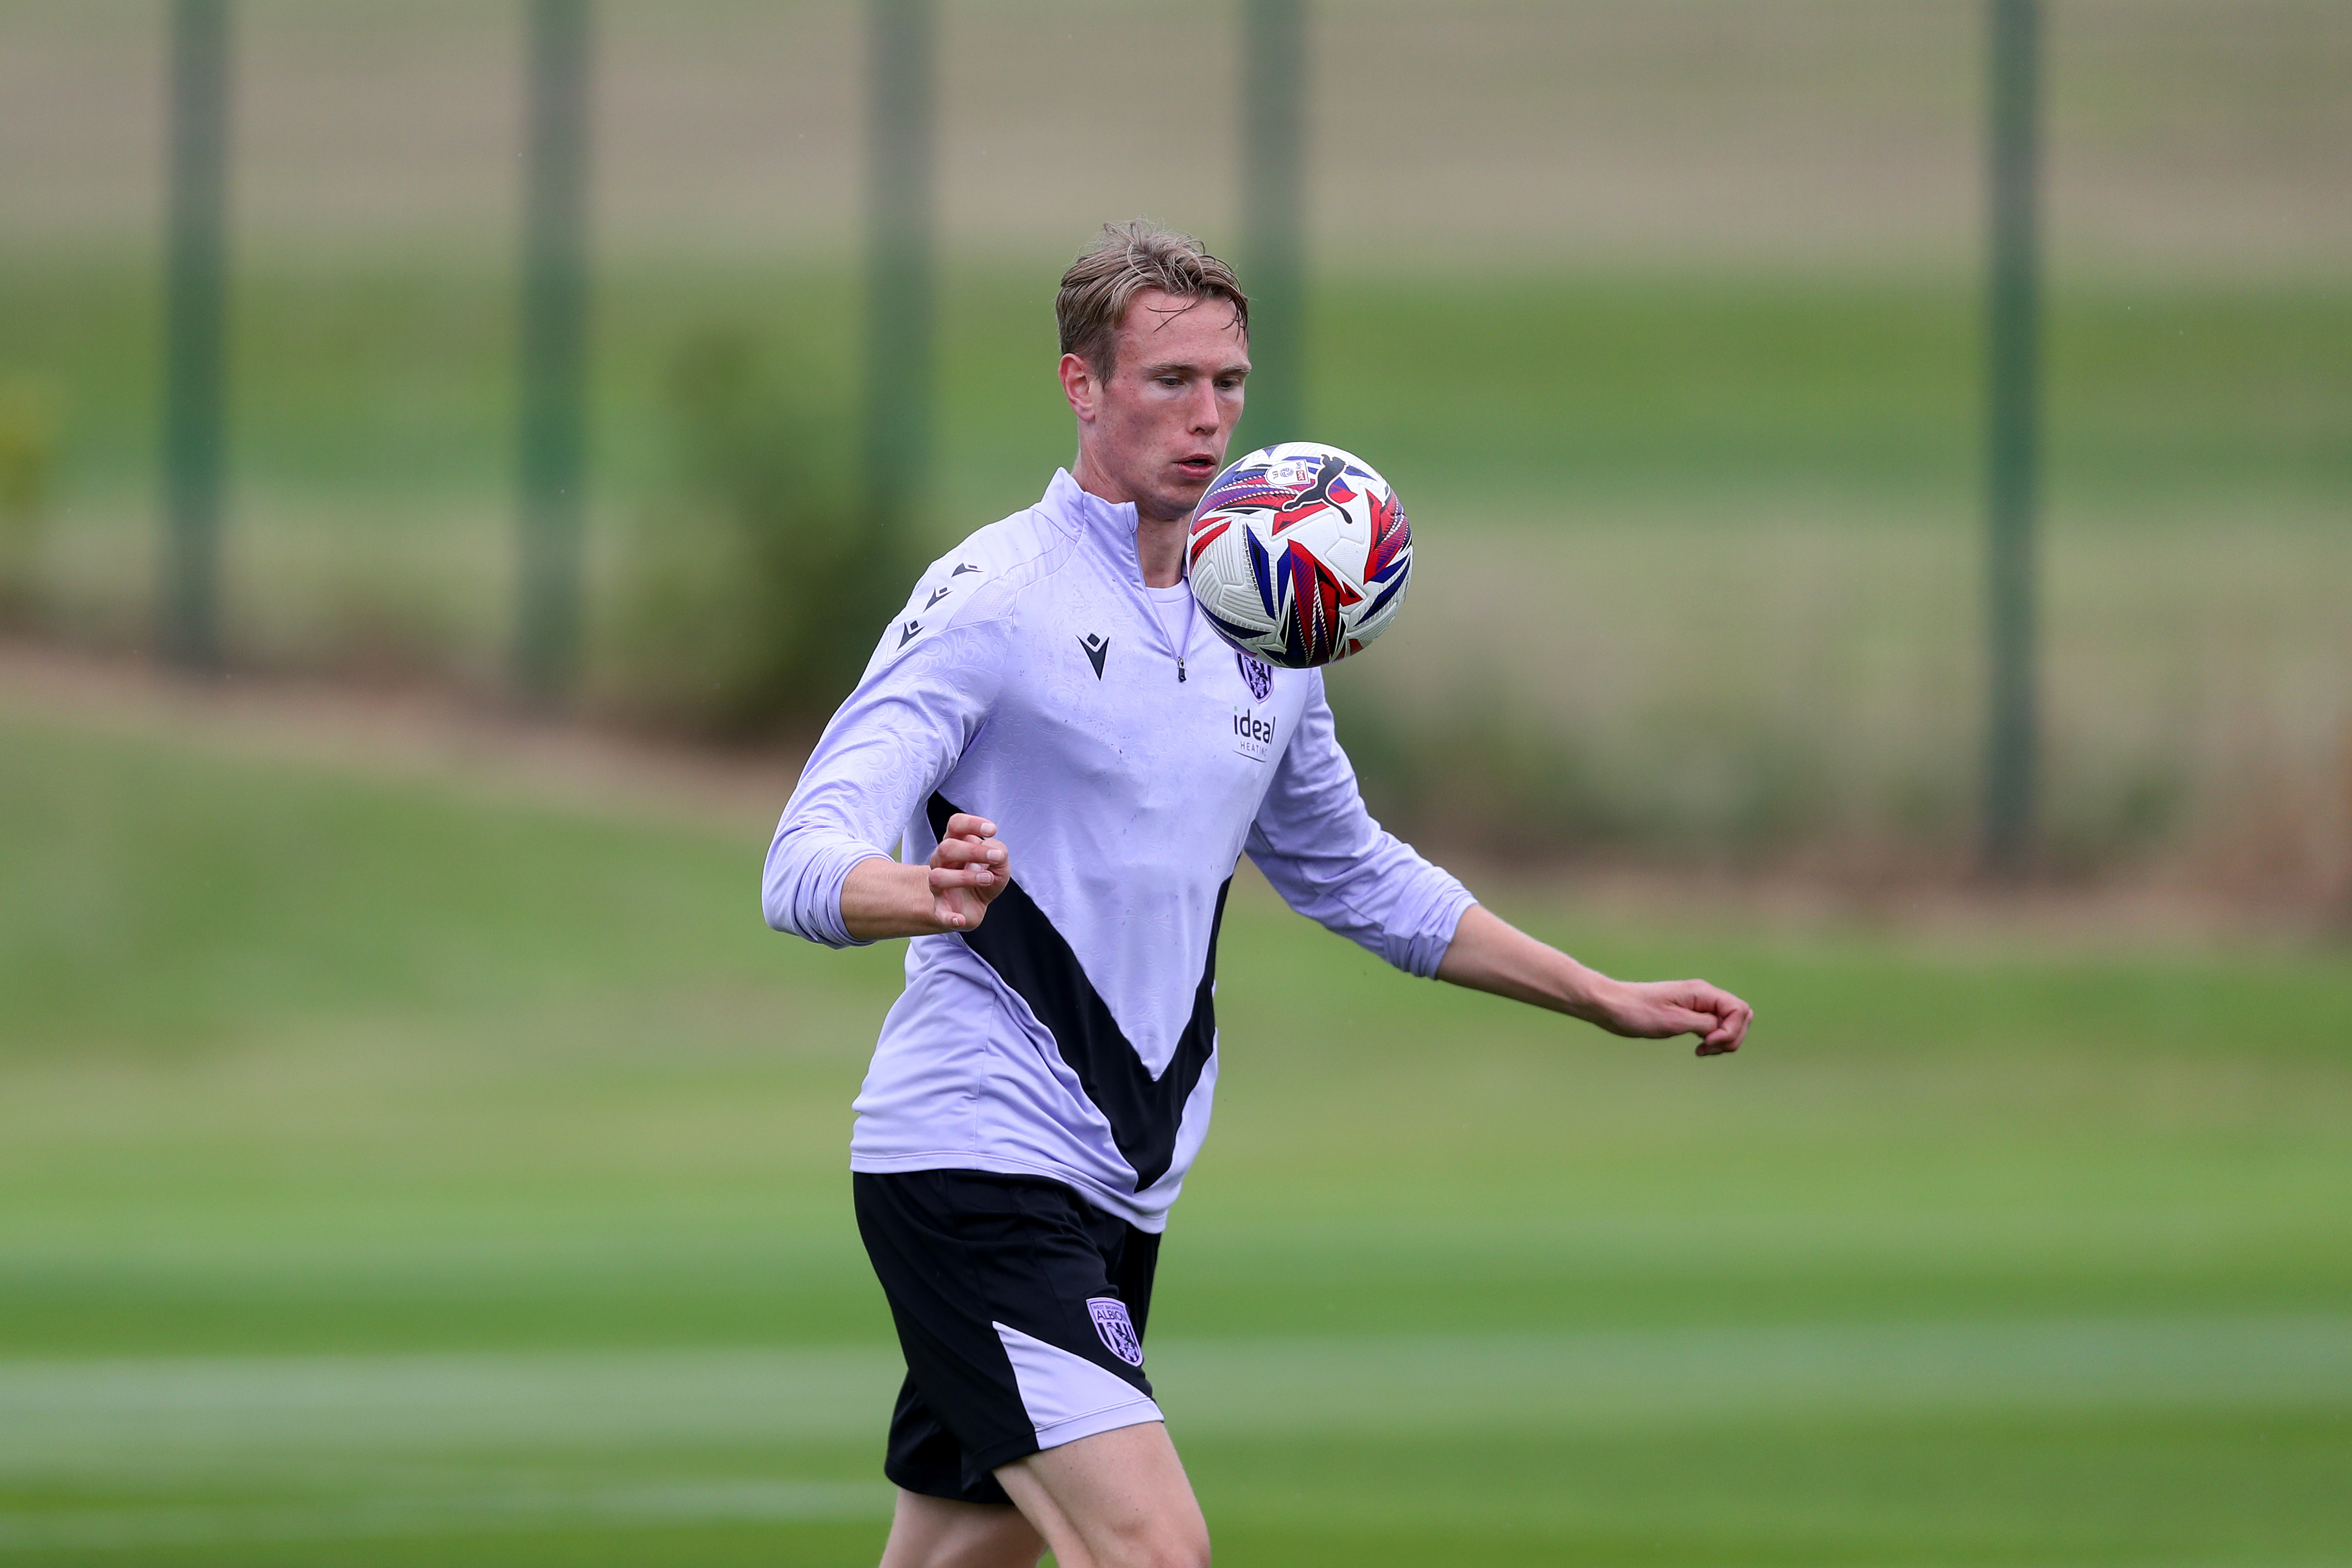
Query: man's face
pixel 1157 428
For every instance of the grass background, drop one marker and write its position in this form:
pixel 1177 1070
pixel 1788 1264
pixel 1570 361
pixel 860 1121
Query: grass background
pixel 1560 392
pixel 409 1160
pixel 1701 552
pixel 397 1170
pixel 1664 318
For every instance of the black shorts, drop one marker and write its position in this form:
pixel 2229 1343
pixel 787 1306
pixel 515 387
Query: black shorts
pixel 1020 1307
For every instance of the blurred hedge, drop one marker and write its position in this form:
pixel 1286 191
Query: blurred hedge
pixel 752 587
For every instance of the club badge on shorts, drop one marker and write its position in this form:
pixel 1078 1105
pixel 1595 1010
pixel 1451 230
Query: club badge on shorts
pixel 1117 1330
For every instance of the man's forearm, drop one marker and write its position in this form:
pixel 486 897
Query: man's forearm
pixel 881 899
pixel 1489 954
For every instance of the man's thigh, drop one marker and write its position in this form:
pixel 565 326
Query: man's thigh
pixel 939 1532
pixel 1116 1499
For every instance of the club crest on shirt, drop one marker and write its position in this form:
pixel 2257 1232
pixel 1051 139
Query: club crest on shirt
pixel 1116 1329
pixel 1260 676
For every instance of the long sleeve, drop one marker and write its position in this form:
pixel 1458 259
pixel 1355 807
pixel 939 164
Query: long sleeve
pixel 887 748
pixel 1333 864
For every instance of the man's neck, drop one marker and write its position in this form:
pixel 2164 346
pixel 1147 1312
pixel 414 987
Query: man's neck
pixel 1159 541
pixel 1160 551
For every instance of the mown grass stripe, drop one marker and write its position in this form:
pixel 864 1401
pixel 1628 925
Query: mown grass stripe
pixel 61 1416
pixel 464 1513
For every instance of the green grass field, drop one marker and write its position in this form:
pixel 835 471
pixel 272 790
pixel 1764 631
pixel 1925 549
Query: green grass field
pixel 397 1172
pixel 1589 457
pixel 1482 394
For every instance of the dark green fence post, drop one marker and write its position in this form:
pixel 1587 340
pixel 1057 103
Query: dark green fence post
pixel 899 282
pixel 553 354
pixel 1274 80
pixel 194 324
pixel 2013 433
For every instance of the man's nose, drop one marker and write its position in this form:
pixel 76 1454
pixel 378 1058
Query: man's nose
pixel 1206 415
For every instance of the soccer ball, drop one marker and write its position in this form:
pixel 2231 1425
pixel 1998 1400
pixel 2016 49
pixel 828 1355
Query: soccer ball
pixel 1300 554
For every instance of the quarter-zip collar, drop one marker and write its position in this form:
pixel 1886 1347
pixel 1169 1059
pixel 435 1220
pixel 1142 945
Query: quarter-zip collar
pixel 1110 528
pixel 1112 525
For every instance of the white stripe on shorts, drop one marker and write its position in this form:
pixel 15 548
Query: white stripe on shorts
pixel 1067 1397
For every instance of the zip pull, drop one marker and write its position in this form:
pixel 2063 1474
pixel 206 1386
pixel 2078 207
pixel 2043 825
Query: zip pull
pixel 1179 668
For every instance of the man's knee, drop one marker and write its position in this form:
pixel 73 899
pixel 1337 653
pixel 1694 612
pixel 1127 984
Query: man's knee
pixel 1179 1547
pixel 1175 1538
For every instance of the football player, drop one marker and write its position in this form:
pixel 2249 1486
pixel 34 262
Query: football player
pixel 1052 740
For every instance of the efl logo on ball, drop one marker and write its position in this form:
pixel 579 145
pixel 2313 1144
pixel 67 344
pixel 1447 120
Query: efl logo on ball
pixel 1300 554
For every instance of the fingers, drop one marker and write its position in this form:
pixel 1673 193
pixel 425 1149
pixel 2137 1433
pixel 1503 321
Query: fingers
pixel 966 872
pixel 1673 1021
pixel 978 878
pixel 970 851
pixel 1670 1007
pixel 970 867
pixel 983 864
pixel 1725 1019
pixel 969 841
pixel 957 854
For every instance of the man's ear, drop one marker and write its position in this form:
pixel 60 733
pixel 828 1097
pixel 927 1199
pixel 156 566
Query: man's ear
pixel 1078 386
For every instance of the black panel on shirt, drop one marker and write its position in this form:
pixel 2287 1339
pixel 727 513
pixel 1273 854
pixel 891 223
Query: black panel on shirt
pixel 1028 955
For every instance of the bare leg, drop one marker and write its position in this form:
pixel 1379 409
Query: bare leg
pixel 936 1532
pixel 1116 1499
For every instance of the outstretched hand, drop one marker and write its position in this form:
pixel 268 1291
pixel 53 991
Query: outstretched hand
pixel 967 871
pixel 1488 954
pixel 1659 1009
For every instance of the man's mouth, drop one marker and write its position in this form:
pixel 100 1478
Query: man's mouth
pixel 1198 466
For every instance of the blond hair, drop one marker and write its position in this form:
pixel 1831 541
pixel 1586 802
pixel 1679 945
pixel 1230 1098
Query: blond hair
pixel 1124 260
